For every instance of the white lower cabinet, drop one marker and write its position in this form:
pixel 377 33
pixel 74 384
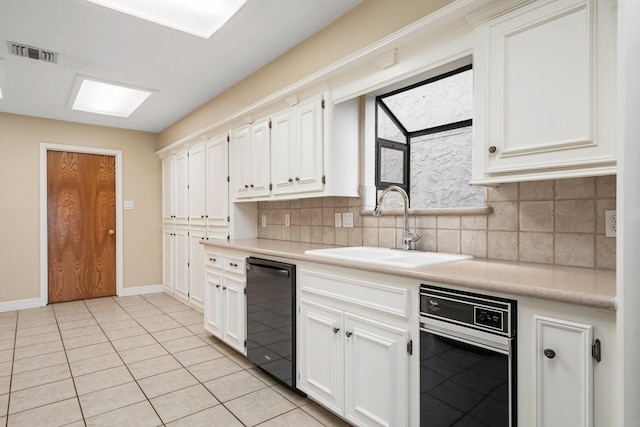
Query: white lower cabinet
pixel 564 373
pixel 225 299
pixel 175 275
pixel 353 361
pixel 196 266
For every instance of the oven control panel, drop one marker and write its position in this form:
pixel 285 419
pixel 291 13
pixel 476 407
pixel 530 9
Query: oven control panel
pixel 491 318
pixel 486 313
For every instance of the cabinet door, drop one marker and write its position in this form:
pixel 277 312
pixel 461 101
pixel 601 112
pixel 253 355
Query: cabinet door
pixel 181 248
pixel 282 135
pixel 197 195
pixel 543 78
pixel 376 373
pixel 182 187
pixel 168 260
pixel 241 161
pixel 234 322
pixel 213 303
pixel 308 146
pixel 321 354
pixel 564 373
pixel 168 189
pixel 260 159
pixel 217 187
pixel 196 266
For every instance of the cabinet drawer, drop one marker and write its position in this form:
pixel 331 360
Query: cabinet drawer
pixel 234 264
pixel 213 259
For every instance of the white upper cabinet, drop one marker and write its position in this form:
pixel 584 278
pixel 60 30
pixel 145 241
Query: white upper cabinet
pixel 297 148
pixel 251 151
pixel 181 198
pixel 217 187
pixel 544 97
pixel 197 193
pixel 175 183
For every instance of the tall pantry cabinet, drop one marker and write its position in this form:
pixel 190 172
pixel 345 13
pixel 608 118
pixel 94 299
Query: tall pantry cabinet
pixel 195 207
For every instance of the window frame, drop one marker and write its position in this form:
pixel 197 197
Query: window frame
pixel 409 135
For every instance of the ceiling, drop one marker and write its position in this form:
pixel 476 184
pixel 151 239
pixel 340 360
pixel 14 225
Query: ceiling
pixel 183 71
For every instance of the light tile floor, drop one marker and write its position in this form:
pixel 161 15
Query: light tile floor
pixel 134 361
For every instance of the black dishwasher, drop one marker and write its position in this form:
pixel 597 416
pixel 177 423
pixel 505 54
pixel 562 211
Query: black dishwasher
pixel 271 326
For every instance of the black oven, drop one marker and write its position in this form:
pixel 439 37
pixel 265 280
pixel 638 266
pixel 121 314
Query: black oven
pixel 467 359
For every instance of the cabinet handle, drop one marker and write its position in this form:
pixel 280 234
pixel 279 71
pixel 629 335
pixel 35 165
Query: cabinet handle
pixel 348 334
pixel 492 149
pixel 549 353
pixel 336 330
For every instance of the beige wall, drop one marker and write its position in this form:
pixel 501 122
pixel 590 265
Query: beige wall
pixel 20 189
pixel 367 23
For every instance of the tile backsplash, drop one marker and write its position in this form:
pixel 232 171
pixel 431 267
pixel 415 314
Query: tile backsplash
pixel 557 222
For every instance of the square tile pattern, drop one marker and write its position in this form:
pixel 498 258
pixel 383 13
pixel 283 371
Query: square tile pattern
pixel 134 361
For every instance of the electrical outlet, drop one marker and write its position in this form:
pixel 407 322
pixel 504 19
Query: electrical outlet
pixel 264 220
pixel 287 220
pixel 347 219
pixel 611 223
pixel 338 221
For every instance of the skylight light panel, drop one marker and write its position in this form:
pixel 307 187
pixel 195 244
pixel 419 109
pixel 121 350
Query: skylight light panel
pixel 109 99
pixel 200 18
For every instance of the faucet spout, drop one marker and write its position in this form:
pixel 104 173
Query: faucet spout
pixel 409 236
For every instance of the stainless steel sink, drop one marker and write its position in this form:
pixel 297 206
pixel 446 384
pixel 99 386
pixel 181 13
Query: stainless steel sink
pixel 386 256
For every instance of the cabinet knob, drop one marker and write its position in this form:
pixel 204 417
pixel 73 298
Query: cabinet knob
pixel 246 186
pixel 224 289
pixel 290 180
pixel 336 330
pixel 348 334
pixel 492 149
pixel 201 216
pixel 251 186
pixel 212 259
pixel 217 286
pixel 549 353
pixel 297 179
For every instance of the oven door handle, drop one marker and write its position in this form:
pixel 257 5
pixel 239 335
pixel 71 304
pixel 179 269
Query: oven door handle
pixel 469 342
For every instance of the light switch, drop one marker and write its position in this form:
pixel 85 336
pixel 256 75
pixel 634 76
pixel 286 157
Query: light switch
pixel 128 204
pixel 347 219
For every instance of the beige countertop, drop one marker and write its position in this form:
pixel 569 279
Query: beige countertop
pixel 583 286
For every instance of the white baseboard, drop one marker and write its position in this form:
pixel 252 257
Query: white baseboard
pixel 141 290
pixel 19 304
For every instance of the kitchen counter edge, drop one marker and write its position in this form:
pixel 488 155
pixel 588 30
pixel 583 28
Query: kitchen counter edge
pixel 575 285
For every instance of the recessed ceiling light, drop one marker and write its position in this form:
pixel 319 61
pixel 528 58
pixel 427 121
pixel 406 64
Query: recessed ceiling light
pixel 106 98
pixel 201 18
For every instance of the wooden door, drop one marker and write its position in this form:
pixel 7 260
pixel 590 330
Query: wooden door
pixel 81 220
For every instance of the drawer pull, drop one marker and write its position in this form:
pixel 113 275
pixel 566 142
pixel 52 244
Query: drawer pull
pixel 549 353
pixel 233 265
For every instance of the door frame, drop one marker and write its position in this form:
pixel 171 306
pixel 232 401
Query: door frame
pixel 44 253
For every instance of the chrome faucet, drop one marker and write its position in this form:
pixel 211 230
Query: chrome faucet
pixel 409 237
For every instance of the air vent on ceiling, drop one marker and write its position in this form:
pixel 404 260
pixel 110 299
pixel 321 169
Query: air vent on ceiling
pixel 32 52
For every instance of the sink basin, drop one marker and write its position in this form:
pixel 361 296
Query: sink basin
pixel 386 256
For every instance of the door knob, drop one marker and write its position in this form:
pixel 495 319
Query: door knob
pixel 111 232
